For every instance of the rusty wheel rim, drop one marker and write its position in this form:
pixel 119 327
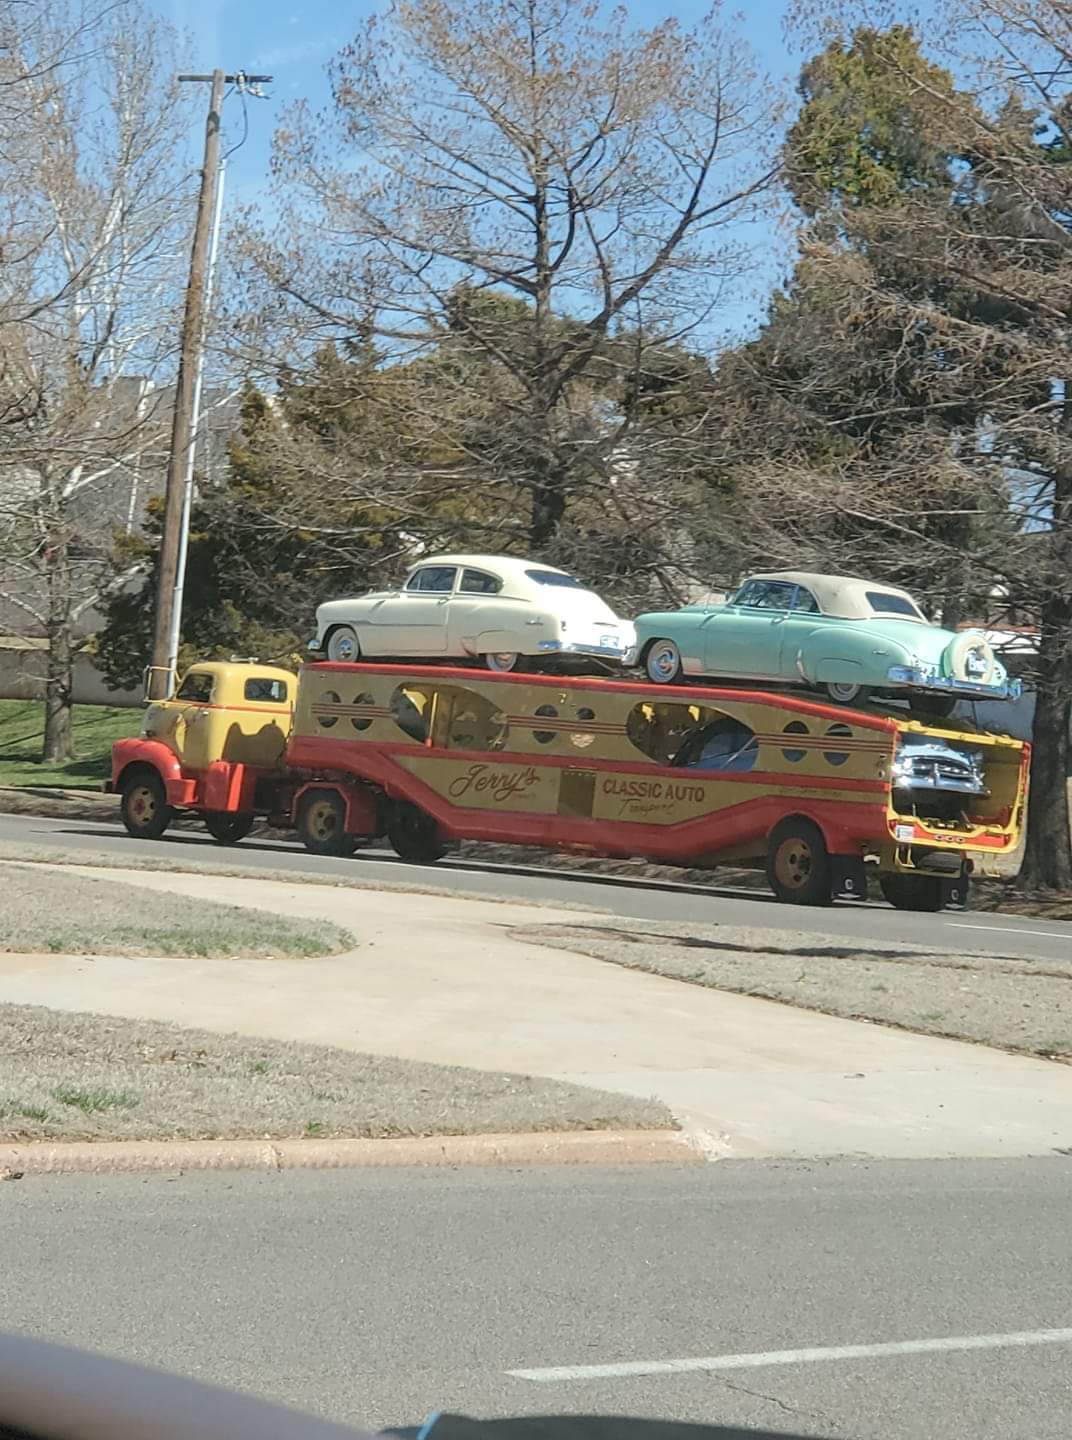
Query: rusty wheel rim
pixel 142 805
pixel 793 864
pixel 323 821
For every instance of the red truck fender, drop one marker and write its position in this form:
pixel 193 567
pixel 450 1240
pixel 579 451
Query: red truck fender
pixel 126 754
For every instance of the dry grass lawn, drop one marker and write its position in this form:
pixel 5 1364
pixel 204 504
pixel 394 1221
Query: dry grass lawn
pixel 57 910
pixel 70 1076
pixel 998 1000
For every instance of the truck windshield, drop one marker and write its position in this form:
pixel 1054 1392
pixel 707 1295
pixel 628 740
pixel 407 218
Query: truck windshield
pixel 197 686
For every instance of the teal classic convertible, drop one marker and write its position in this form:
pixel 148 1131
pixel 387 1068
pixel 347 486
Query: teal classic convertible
pixel 849 638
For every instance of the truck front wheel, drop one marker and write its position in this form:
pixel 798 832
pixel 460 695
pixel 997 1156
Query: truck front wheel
pixel 322 823
pixel 143 804
pixel 226 828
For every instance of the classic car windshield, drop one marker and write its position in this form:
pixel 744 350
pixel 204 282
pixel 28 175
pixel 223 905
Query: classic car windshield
pixel 555 577
pixel 765 595
pixel 884 602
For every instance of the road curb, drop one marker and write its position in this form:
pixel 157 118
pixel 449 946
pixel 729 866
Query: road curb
pixel 577 1147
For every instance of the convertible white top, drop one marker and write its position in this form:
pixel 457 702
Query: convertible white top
pixel 842 596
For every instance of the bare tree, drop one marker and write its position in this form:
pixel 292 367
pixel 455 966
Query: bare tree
pixel 970 279
pixel 87 305
pixel 547 197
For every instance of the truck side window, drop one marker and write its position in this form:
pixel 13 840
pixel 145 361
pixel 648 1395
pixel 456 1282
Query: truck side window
pixel 197 687
pixel 267 691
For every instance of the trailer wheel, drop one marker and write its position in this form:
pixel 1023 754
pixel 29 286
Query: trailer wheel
pixel 913 892
pixel 798 863
pixel 322 823
pixel 143 805
pixel 226 828
pixel 414 835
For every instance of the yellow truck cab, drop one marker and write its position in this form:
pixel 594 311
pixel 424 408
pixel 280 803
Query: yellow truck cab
pixel 206 748
pixel 225 710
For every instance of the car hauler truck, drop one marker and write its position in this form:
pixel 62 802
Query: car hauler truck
pixel 691 775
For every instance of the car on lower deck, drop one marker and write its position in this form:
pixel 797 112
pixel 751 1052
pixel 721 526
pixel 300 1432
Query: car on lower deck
pixel 500 610
pixel 849 638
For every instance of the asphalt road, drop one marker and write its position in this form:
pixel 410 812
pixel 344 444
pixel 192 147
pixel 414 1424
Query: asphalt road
pixel 648 900
pixel 375 1297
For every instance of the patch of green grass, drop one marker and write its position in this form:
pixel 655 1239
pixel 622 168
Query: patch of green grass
pixel 314 1128
pixel 91 1102
pixel 259 1067
pixel 95 727
pixel 15 1109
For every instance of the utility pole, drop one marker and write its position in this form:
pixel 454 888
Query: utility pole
pixel 187 388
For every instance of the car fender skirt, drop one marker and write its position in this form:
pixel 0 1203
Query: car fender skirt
pixel 838 672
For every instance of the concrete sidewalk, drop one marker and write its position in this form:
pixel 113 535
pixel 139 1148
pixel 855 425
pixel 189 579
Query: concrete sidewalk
pixel 445 980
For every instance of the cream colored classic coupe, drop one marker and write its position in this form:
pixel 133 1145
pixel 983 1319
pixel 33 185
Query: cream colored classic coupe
pixel 495 608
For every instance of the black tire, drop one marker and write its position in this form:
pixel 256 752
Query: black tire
pixel 798 863
pixel 227 828
pixel 143 804
pixel 844 694
pixel 414 835
pixel 913 892
pixel 322 823
pixel 938 707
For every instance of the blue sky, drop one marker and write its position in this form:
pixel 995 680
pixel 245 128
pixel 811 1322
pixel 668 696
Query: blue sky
pixel 294 40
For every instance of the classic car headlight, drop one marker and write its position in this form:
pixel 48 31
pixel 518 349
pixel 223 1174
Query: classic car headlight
pixel 901 770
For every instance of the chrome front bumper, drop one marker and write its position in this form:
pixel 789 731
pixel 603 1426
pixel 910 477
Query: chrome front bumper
pixel 579 647
pixel 950 685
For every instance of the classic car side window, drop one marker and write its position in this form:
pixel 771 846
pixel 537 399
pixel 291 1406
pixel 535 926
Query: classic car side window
pixel 439 579
pixel 555 577
pixel 479 582
pixel 882 602
pixel 197 687
pixel 805 602
pixel 765 595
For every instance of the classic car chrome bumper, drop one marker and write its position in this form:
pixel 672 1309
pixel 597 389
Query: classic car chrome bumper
pixel 970 689
pixel 580 647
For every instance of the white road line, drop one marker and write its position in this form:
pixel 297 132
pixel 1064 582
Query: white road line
pixel 1016 1339
pixel 1007 930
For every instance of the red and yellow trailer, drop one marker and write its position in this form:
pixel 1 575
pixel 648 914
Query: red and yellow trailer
pixel 689 775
